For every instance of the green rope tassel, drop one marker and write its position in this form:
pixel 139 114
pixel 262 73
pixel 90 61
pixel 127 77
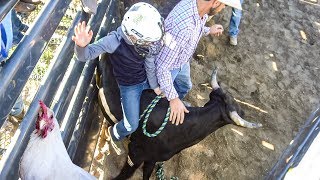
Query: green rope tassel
pixel 160 173
pixel 147 112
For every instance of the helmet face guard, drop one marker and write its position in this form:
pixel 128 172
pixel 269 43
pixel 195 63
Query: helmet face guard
pixel 152 49
pixel 145 48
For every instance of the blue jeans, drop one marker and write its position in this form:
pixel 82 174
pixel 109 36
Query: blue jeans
pixel 6 36
pixel 9 28
pixel 17 107
pixel 182 80
pixel 130 101
pixel 235 21
pixel 17 28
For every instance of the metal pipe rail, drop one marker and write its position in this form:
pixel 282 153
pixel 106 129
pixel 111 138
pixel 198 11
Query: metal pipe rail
pixel 295 151
pixel 82 120
pixel 15 73
pixel 62 103
pixel 6 6
pixel 72 114
pixel 45 91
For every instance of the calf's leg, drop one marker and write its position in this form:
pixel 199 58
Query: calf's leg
pixel 128 169
pixel 148 167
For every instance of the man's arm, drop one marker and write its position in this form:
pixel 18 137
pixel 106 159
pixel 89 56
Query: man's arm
pixel 174 45
pixel 205 31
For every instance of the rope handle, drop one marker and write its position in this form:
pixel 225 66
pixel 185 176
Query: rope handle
pixel 147 112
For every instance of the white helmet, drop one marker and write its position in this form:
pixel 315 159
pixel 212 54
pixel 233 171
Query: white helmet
pixel 144 22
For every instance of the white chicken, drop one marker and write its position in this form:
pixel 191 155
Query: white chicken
pixel 46 156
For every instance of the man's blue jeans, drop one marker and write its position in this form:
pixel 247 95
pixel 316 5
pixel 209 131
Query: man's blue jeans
pixel 130 101
pixel 17 107
pixel 182 80
pixel 235 22
pixel 9 30
pixel 17 27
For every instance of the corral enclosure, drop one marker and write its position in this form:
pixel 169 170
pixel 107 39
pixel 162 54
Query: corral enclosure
pixel 274 75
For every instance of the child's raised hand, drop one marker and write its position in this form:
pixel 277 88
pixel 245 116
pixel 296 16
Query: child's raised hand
pixel 82 34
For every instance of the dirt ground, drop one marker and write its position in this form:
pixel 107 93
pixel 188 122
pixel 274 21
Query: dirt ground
pixel 273 73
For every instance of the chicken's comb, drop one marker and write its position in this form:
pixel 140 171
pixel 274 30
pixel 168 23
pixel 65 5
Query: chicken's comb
pixel 43 107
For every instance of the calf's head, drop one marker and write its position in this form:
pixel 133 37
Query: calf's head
pixel 229 108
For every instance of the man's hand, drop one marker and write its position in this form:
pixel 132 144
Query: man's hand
pixel 177 111
pixel 83 34
pixel 157 91
pixel 216 30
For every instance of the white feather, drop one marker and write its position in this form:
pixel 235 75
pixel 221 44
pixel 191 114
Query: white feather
pixel 47 158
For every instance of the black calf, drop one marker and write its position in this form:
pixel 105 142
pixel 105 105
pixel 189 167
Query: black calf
pixel 198 123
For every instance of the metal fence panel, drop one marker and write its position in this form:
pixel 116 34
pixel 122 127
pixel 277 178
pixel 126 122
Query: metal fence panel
pixel 10 162
pixel 6 6
pixel 15 74
pixel 295 151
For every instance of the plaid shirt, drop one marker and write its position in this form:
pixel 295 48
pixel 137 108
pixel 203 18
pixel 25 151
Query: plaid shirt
pixel 184 28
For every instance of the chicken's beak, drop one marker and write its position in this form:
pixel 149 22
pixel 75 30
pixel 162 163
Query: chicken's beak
pixel 41 124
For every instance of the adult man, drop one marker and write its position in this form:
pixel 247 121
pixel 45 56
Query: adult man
pixel 234 25
pixel 184 26
pixel 18 28
pixel 6 37
pixel 6 42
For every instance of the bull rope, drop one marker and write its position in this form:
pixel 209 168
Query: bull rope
pixel 147 112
